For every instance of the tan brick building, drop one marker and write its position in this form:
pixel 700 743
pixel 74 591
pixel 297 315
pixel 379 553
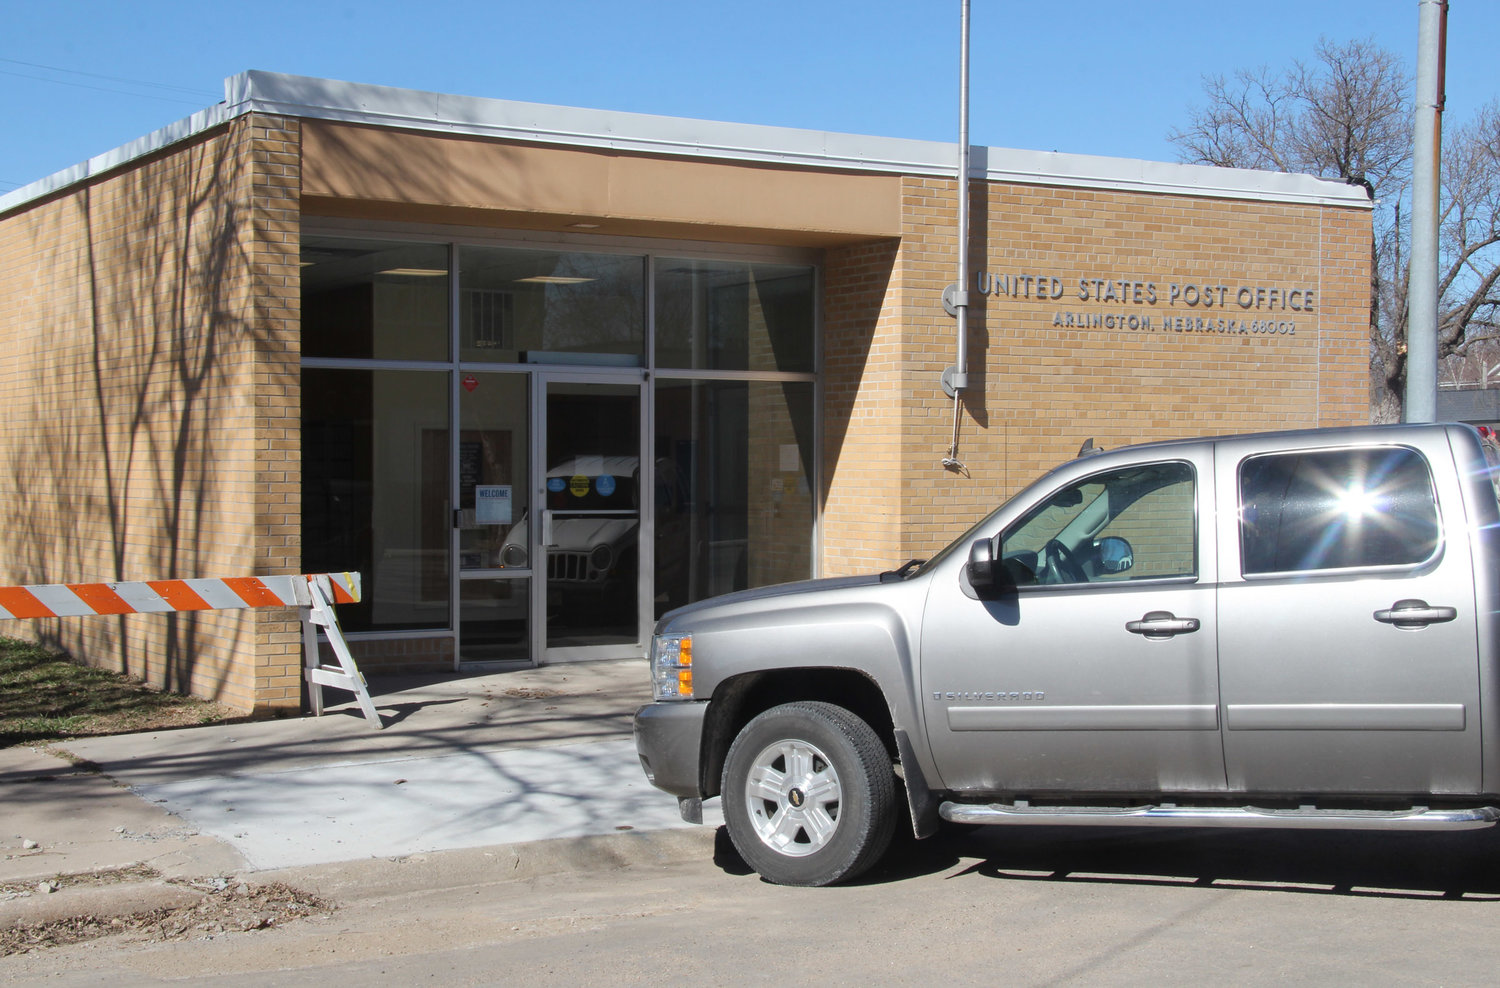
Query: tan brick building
pixel 539 373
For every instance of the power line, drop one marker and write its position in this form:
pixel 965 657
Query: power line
pixel 109 78
pixel 102 89
pixel 198 95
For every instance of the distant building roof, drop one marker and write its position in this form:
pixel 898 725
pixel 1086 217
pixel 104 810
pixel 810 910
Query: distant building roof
pixel 1468 405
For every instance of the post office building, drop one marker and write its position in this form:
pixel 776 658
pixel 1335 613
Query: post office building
pixel 540 374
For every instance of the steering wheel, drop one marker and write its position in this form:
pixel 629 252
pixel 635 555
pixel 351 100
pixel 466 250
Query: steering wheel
pixel 1062 565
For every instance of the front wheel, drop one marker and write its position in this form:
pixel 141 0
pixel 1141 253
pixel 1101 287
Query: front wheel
pixel 809 794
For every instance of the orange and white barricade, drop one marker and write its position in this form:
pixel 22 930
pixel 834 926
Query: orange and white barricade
pixel 313 594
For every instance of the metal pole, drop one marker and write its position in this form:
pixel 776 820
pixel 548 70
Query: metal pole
pixel 961 298
pixel 957 378
pixel 1422 291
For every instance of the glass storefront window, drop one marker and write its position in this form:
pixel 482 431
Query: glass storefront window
pixel 734 487
pixel 375 492
pixel 530 306
pixel 374 299
pixel 732 315
pixel 733 504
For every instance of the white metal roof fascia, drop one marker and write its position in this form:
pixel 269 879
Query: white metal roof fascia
pixel 328 99
pixel 616 130
pixel 122 155
pixel 1203 181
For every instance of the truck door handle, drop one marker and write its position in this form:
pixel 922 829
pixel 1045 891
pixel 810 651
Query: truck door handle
pixel 1415 614
pixel 1161 625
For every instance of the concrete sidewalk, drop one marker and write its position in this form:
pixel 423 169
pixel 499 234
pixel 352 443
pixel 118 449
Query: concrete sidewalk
pixel 462 762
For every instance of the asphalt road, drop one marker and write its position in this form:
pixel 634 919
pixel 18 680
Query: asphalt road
pixel 1033 906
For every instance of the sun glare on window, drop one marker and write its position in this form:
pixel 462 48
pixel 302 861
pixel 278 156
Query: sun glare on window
pixel 1358 503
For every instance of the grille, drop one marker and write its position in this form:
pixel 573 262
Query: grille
pixel 570 566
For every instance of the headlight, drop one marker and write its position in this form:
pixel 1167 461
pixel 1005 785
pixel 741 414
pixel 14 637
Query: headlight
pixel 672 667
pixel 513 556
pixel 600 558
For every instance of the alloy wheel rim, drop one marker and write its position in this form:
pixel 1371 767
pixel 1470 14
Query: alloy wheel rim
pixel 793 796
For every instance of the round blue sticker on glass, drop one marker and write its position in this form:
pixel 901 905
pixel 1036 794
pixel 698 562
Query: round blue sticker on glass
pixel 557 484
pixel 604 484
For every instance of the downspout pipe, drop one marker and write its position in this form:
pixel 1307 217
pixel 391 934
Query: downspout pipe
pixel 1422 281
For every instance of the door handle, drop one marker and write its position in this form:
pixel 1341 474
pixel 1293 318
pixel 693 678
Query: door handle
pixel 1412 614
pixel 1161 625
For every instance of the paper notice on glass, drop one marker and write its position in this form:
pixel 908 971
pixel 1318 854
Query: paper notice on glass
pixel 492 504
pixel 791 457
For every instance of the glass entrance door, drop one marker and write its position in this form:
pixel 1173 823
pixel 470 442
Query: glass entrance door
pixel 589 595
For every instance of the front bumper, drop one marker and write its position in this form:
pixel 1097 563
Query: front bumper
pixel 669 741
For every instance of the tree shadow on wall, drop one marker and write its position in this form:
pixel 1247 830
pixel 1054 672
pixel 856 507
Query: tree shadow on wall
pixel 142 397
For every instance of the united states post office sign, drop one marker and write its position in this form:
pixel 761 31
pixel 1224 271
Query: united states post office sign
pixel 1139 305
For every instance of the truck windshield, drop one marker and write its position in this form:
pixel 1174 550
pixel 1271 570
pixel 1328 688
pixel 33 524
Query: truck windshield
pixel 962 542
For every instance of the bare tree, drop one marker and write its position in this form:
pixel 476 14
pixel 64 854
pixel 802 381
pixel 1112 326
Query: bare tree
pixel 1347 115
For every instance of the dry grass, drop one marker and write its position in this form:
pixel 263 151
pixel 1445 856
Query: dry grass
pixel 46 697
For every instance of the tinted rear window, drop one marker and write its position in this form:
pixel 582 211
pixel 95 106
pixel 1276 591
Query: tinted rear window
pixel 1336 509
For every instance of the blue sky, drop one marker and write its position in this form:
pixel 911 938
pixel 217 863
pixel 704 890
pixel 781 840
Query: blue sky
pixel 79 77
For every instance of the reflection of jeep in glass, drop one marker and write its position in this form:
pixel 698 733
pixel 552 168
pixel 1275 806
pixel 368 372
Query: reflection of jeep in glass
pixel 594 506
pixel 594 521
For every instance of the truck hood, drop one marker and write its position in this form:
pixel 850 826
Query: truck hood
pixel 779 591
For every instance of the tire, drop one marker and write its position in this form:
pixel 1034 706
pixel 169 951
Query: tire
pixel 809 794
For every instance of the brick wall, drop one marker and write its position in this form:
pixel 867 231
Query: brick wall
pixel 862 397
pixel 395 656
pixel 272 243
pixel 1168 351
pixel 148 365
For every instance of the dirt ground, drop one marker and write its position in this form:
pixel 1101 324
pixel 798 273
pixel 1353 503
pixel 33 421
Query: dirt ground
pixel 222 906
pixel 45 697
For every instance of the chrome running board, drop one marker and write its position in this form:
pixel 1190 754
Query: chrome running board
pixel 1171 815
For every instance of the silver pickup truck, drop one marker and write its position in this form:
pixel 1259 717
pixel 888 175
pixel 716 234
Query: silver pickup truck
pixel 1279 630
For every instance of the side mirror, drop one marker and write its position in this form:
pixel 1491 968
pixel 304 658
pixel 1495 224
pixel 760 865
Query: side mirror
pixel 981 568
pixel 1115 554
